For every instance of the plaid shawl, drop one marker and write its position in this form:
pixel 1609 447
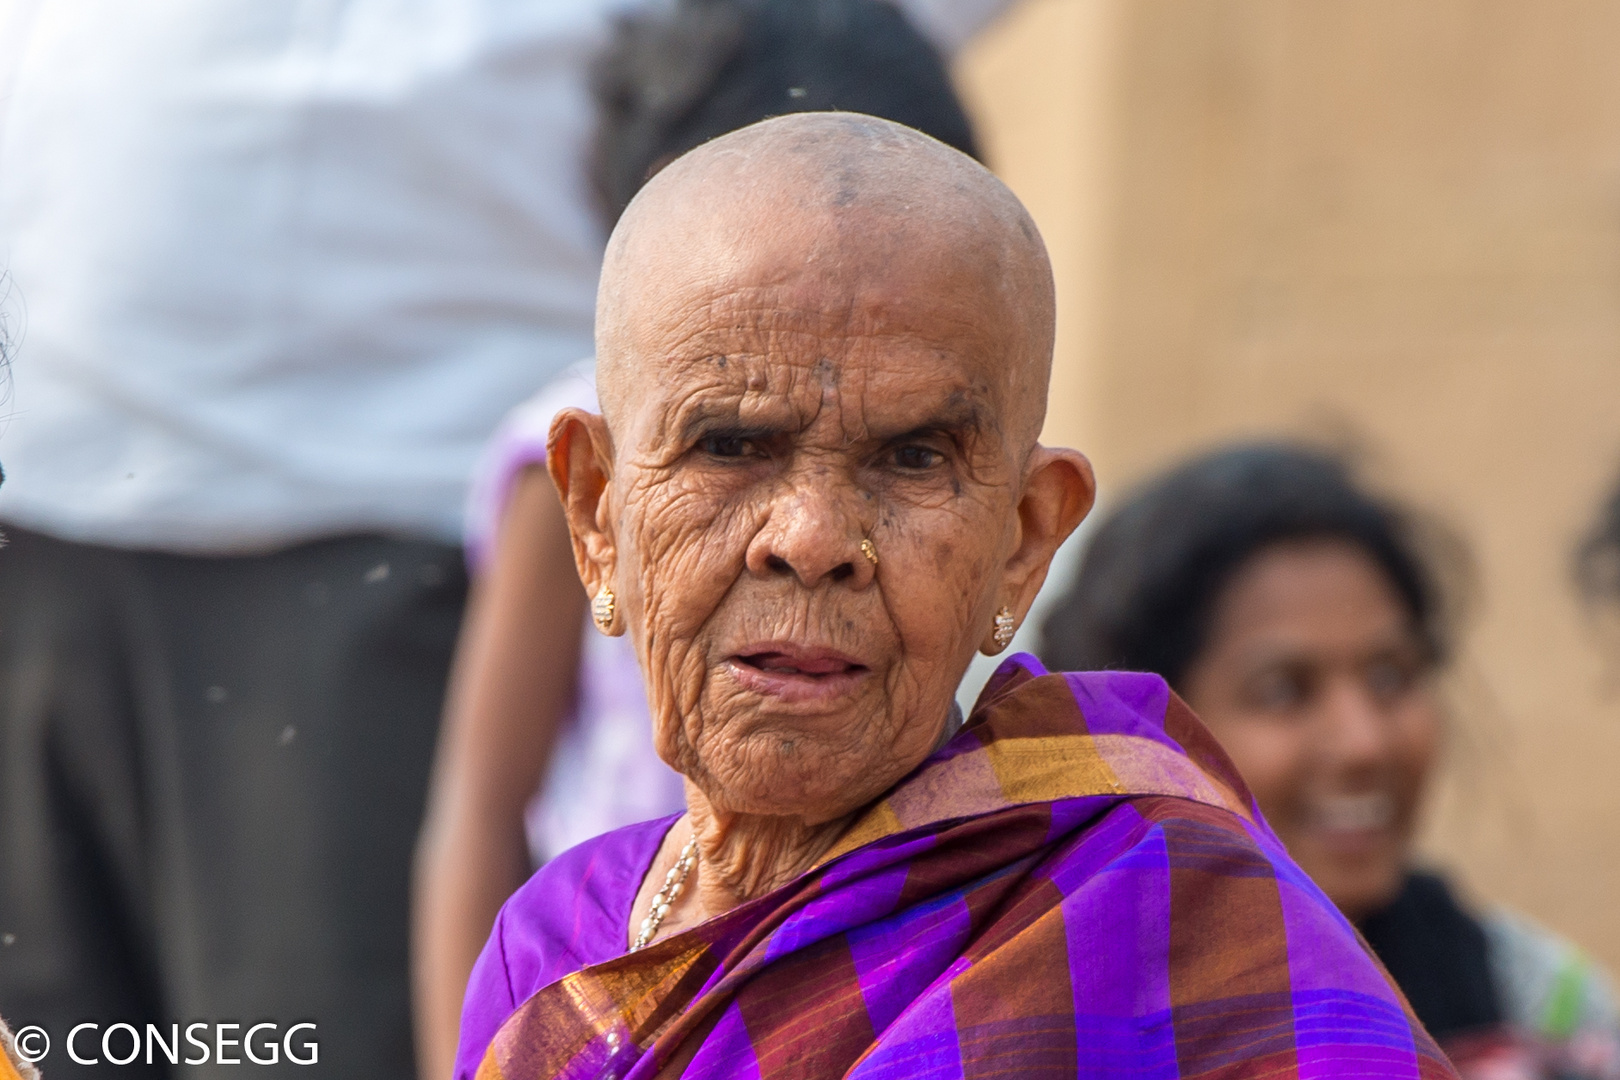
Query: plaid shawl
pixel 1077 884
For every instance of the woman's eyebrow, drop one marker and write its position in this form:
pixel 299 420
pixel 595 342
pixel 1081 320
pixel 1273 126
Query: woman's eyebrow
pixel 705 418
pixel 956 422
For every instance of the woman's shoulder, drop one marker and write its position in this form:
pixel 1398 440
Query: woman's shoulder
pixel 575 910
pixel 572 912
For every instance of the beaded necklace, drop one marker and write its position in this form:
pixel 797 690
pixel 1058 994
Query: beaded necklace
pixel 674 883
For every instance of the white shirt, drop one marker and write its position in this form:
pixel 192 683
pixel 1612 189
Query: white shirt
pixel 281 265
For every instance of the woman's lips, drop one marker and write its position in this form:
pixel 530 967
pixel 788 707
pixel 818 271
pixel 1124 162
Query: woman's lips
pixel 1354 823
pixel 795 672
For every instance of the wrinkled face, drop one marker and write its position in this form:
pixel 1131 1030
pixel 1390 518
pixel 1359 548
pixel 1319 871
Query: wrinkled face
pixel 1317 686
pixel 787 406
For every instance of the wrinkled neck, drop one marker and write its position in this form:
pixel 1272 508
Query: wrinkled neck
pixel 743 856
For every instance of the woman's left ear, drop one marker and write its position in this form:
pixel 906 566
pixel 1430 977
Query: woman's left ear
pixel 1059 490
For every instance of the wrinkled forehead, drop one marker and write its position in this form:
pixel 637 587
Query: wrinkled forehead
pixel 815 309
pixel 825 256
pixel 873 390
pixel 789 317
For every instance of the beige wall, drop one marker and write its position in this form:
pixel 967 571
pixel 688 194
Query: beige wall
pixel 1390 226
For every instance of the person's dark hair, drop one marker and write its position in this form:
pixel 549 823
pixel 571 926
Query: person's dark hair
pixel 671 81
pixel 1154 571
pixel 1597 561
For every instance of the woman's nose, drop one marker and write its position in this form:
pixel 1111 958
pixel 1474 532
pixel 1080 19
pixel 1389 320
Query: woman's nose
pixel 813 533
pixel 1359 731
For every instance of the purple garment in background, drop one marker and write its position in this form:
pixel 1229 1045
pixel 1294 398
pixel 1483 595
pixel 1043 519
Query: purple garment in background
pixel 603 773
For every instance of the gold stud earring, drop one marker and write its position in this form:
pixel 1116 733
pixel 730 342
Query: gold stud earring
pixel 603 609
pixel 1006 627
pixel 869 549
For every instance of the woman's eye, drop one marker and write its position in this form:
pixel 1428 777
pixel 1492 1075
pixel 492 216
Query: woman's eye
pixel 727 446
pixel 1280 691
pixel 917 457
pixel 1388 679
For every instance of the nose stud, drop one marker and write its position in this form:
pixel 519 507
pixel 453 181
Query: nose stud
pixel 869 549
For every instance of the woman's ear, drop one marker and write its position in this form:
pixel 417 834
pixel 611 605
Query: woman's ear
pixel 579 456
pixel 1059 490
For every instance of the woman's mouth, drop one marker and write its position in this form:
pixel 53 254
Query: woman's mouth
pixel 1354 822
pixel 795 672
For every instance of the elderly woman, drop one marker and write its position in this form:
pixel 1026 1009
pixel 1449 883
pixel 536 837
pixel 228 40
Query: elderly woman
pixel 546 739
pixel 813 492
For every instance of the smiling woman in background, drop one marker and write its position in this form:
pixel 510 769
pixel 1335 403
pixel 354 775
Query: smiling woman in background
pixel 1298 619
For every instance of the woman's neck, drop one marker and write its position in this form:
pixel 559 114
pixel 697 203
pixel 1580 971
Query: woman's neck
pixel 742 856
pixel 739 857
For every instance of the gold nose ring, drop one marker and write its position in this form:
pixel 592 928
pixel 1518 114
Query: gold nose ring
pixel 869 549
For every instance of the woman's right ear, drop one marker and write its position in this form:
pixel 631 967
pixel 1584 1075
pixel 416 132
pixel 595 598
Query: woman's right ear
pixel 579 456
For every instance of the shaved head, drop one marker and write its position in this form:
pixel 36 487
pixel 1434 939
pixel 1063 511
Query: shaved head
pixel 823 344
pixel 852 209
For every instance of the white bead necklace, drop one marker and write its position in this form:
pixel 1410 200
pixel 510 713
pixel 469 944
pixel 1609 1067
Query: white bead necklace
pixel 674 883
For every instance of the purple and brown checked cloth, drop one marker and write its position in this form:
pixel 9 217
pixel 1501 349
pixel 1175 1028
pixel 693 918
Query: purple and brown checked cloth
pixel 1076 885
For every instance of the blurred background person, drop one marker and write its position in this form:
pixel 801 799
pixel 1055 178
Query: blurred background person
pixel 547 740
pixel 283 266
pixel 1389 225
pixel 1298 616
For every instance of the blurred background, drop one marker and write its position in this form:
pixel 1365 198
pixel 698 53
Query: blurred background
pixel 274 273
pixel 1392 229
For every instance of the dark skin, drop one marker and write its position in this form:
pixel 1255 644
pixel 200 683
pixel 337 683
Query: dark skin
pixel 1318 686
pixel 814 331
pixel 504 708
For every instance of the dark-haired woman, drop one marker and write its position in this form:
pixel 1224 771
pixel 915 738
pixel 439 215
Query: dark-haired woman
pixel 1294 613
pixel 547 740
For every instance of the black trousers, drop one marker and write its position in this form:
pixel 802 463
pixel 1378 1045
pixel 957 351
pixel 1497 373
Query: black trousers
pixel 212 772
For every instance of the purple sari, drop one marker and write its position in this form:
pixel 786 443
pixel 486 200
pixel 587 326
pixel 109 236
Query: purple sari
pixel 1076 885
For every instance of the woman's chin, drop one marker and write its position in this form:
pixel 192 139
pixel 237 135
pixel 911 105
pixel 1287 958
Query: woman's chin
pixel 1356 847
pixel 1360 873
pixel 778 774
